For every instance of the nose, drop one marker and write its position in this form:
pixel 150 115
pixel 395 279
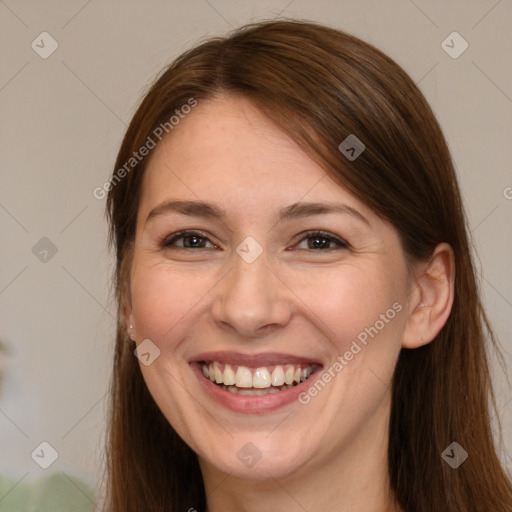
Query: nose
pixel 251 300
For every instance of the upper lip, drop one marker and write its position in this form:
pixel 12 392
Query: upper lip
pixel 253 360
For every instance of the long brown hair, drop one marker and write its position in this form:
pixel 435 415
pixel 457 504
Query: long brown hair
pixel 320 85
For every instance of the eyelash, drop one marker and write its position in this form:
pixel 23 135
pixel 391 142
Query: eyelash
pixel 171 240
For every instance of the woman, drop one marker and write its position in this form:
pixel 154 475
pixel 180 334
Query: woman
pixel 294 274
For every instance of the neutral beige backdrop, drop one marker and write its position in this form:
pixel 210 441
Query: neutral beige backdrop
pixel 62 119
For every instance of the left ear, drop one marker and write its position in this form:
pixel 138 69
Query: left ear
pixel 431 299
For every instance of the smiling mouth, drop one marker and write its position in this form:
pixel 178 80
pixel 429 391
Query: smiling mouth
pixel 259 381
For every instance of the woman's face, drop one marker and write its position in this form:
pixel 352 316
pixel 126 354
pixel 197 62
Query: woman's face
pixel 252 268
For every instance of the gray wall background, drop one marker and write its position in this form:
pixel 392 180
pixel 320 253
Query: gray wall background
pixel 61 122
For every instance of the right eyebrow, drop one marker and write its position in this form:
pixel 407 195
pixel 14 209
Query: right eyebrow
pixel 191 208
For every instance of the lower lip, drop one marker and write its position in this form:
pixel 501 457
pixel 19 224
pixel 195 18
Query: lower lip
pixel 256 404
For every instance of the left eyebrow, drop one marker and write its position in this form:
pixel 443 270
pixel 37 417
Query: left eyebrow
pixel 212 211
pixel 298 210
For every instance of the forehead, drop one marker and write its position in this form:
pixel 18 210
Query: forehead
pixel 227 151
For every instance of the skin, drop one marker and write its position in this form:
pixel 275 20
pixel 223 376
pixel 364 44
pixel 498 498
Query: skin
pixel 331 453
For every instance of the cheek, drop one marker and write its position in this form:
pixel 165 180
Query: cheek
pixel 347 300
pixel 163 298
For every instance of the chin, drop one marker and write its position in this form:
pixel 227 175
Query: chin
pixel 257 457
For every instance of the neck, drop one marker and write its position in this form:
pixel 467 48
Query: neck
pixel 355 477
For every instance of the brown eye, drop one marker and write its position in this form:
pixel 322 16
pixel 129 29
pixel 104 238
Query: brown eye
pixel 318 241
pixel 187 240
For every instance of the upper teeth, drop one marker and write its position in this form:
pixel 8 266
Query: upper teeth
pixel 263 377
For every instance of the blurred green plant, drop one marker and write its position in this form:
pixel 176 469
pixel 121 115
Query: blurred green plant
pixel 54 493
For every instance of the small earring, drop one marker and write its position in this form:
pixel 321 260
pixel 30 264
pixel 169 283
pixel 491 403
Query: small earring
pixel 422 305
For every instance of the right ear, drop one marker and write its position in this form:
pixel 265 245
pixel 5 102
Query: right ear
pixel 125 290
pixel 128 321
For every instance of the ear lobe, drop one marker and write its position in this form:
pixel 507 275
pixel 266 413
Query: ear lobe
pixel 128 322
pixel 125 291
pixel 431 300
